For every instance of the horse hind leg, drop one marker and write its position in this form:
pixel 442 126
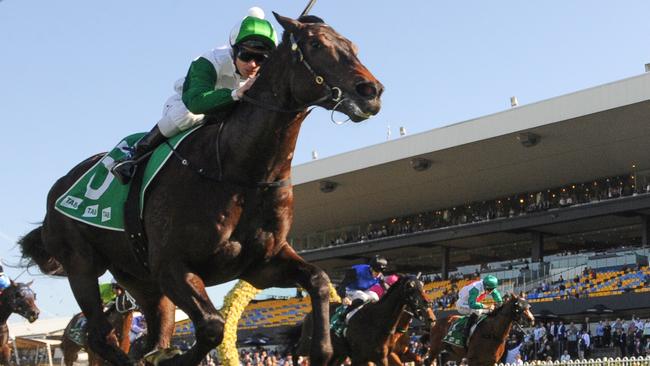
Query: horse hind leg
pixel 187 291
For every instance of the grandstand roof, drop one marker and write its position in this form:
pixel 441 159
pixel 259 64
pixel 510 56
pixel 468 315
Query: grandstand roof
pixel 597 132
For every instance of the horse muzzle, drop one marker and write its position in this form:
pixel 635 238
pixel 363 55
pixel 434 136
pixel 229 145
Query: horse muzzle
pixel 359 111
pixel 31 315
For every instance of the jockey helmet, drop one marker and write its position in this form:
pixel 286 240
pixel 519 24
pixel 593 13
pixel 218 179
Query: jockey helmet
pixel 4 282
pixel 490 282
pixel 254 32
pixel 378 263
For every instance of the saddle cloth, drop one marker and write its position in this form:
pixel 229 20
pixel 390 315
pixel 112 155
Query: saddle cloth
pixel 97 198
pixel 339 321
pixel 456 335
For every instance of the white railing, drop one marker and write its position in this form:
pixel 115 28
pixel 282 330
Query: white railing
pixel 634 361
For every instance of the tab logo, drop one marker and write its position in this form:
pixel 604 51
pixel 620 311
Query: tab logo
pixel 91 211
pixel 106 214
pixel 71 202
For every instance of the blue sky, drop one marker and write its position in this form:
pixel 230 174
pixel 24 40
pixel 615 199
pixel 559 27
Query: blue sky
pixel 76 76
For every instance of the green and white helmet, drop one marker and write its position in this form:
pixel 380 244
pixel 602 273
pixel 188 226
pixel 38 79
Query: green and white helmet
pixel 254 31
pixel 490 282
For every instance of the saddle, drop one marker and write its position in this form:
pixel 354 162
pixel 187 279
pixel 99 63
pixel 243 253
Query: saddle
pixel 456 335
pixel 341 318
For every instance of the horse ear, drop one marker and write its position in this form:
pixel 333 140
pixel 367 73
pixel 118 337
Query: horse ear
pixel 11 282
pixel 28 284
pixel 288 24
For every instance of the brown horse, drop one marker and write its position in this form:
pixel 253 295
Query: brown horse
pixel 369 335
pixel 487 344
pixel 221 212
pixel 71 346
pixel 18 298
pixel 399 341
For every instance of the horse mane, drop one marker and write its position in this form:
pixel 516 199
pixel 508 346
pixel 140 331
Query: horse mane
pixel 498 309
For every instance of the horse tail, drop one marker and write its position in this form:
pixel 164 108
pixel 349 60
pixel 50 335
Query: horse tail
pixel 34 253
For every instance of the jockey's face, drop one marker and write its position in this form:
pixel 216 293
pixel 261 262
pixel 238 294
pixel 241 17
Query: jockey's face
pixel 248 63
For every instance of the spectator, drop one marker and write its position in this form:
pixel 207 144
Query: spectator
pixel 572 340
pixel 584 344
pixel 565 356
pixel 607 334
pixel 600 334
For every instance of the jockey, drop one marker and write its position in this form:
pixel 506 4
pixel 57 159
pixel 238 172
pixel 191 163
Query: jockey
pixel 354 289
pixel 109 291
pixel 214 81
pixel 4 280
pixel 138 327
pixel 470 297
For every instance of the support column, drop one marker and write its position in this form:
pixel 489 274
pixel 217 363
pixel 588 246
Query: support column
pixel 444 269
pixel 537 247
pixel 645 231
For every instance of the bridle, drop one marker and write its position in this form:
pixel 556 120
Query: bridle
pixel 335 93
pixel 416 304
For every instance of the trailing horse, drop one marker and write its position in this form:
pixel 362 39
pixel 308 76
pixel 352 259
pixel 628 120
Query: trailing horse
pixel 369 335
pixel 74 335
pixel 18 298
pixel 487 344
pixel 400 342
pixel 221 212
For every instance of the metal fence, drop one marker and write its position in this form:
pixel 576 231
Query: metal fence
pixel 634 361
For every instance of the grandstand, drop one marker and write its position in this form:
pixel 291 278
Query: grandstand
pixel 529 194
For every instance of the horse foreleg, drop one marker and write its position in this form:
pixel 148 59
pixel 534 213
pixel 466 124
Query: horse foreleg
pixel 101 335
pixel 187 291
pixel 287 269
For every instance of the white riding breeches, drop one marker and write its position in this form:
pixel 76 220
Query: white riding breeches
pixel 466 310
pixel 177 118
pixel 366 296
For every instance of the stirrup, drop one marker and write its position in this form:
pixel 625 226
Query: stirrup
pixel 124 171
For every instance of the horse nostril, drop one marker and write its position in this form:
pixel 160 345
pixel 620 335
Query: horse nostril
pixel 367 90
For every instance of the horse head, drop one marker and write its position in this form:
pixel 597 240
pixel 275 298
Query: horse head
pixel 327 71
pixel 519 309
pixel 21 299
pixel 415 299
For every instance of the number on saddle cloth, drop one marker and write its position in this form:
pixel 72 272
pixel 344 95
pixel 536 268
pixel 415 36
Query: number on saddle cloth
pixel 125 303
pixel 77 332
pixel 456 333
pixel 338 324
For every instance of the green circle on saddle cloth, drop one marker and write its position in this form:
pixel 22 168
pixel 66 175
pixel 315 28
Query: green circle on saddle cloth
pixel 97 198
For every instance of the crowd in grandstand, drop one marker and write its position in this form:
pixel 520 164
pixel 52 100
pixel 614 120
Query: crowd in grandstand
pixel 516 205
pixel 557 341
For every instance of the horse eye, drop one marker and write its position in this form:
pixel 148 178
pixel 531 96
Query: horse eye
pixel 19 295
pixel 315 44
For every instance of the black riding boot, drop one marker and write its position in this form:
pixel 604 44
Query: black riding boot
pixel 468 326
pixel 125 169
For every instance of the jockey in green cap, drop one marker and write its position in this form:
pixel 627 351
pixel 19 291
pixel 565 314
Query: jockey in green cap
pixel 214 81
pixel 471 296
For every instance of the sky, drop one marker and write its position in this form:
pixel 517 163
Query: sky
pixel 77 76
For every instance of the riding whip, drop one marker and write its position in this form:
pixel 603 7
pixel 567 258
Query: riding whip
pixel 308 8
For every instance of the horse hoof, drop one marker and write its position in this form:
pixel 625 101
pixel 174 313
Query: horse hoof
pixel 157 356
